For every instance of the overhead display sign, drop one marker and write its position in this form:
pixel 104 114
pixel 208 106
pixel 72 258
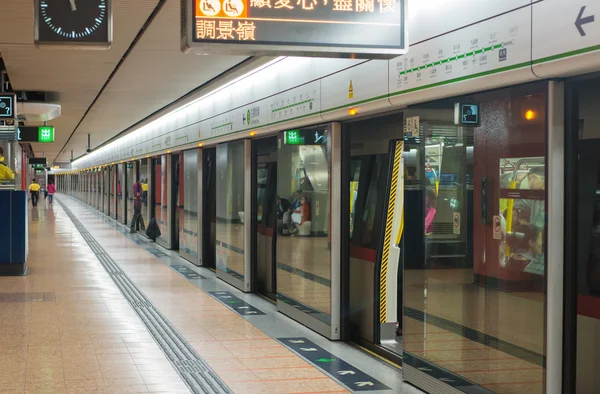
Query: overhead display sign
pixel 38 160
pixel 36 134
pixel 7 106
pixel 327 28
pixel 305 137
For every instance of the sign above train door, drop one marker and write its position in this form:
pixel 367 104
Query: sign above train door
pixel 325 28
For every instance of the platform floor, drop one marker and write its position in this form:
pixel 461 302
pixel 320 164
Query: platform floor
pixel 67 327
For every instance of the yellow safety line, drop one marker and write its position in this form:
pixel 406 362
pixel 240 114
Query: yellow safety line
pixel 388 234
pixel 380 357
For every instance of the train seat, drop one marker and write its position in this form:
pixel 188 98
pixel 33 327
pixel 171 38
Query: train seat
pixel 304 228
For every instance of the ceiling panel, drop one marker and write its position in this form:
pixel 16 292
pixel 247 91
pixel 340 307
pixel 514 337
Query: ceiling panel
pixel 154 74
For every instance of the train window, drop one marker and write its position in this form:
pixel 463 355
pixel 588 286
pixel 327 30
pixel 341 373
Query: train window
pixel 261 181
pixel 367 200
pixel 303 249
pixel 231 211
pixel 587 196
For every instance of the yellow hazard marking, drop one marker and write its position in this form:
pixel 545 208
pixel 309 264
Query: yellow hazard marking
pixel 388 234
pixel 350 91
pixel 401 229
pixel 380 357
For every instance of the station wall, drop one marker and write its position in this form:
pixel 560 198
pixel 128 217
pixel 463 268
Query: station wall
pixel 484 45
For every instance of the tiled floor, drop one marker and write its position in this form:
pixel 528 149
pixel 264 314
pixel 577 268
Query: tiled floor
pixel 68 329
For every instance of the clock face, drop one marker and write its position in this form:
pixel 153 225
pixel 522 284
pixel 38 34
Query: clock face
pixel 73 22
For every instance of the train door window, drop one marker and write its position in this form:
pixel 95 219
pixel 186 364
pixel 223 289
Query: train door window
pixel 128 190
pixel 113 191
pixel 231 212
pixel 144 177
pixel 162 214
pixel 105 190
pixel 157 186
pixel 188 229
pixel 178 199
pixel 587 224
pixel 372 146
pixel 209 207
pixel 265 165
pixel 120 197
pixel 303 254
pixel 481 280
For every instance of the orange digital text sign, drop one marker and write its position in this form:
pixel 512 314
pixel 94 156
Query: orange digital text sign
pixel 342 23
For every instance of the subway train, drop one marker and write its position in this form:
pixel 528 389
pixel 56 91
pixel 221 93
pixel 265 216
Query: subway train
pixel 438 209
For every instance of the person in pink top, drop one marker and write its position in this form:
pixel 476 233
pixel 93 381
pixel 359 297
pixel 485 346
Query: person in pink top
pixel 51 191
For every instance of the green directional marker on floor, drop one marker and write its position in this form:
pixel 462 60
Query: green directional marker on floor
pixel 326 360
pixel 233 302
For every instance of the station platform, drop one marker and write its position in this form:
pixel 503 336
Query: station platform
pixel 102 310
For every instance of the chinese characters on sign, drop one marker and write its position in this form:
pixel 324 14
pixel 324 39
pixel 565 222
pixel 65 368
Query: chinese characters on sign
pixel 344 24
pixel 46 134
pixel 225 30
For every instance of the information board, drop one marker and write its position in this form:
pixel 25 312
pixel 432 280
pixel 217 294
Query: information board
pixel 38 160
pixel 305 137
pixel 7 106
pixel 36 134
pixel 331 28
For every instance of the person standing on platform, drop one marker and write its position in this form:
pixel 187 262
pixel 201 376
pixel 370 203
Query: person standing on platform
pixel 51 191
pixel 137 221
pixel 6 174
pixel 34 189
pixel 145 192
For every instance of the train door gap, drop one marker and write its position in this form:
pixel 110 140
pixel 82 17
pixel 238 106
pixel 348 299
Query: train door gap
pixel 178 199
pixel 209 208
pixel 265 206
pixel 372 152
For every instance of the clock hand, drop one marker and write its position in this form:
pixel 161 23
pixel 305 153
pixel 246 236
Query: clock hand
pixel 73 6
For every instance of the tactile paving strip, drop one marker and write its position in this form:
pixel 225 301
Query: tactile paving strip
pixel 196 373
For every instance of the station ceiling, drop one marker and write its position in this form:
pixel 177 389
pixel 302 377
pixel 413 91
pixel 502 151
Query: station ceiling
pixel 103 93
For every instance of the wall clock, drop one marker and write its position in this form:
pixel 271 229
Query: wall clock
pixel 73 23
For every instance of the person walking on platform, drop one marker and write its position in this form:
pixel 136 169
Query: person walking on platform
pixel 6 174
pixel 137 221
pixel 51 191
pixel 34 189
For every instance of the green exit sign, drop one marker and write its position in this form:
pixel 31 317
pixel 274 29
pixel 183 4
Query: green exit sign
pixel 305 137
pixel 46 134
pixel 293 137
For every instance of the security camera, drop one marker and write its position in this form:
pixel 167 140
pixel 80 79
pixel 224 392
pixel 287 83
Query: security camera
pixel 72 160
pixel 88 150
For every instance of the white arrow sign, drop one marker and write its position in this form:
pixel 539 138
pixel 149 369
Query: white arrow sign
pixel 346 372
pixel 225 297
pixel 250 313
pixel 363 384
pixel 296 341
pixel 243 307
pixel 221 292
pixel 308 349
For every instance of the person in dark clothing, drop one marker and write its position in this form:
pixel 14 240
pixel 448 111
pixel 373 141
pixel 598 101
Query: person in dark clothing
pixel 137 222
pixel 284 214
pixel 34 189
